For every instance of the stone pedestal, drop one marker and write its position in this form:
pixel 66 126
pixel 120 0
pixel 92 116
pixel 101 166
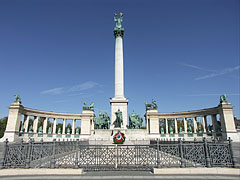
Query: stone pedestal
pixel 227 121
pixel 87 122
pixel 120 104
pixel 13 124
pixel 152 121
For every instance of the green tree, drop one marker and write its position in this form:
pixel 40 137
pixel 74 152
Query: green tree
pixel 3 124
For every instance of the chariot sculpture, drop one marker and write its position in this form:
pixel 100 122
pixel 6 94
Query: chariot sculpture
pixel 86 107
pixel 151 106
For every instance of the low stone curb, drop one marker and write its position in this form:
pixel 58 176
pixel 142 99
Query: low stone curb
pixel 21 172
pixel 199 171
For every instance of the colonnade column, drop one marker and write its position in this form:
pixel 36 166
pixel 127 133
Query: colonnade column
pixel 64 126
pixel 195 124
pixel 185 125
pixel 26 124
pixel 54 125
pixel 73 126
pixel 176 128
pixel 35 124
pixel 166 122
pixel 204 124
pixel 214 123
pixel 45 125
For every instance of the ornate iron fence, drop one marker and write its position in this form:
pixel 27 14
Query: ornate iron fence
pixel 78 154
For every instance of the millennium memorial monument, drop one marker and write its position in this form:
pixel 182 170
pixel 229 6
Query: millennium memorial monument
pixel 45 139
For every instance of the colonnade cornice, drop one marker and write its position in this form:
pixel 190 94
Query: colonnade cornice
pixel 40 113
pixel 194 113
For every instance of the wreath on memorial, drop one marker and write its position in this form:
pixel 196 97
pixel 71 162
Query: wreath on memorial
pixel 119 138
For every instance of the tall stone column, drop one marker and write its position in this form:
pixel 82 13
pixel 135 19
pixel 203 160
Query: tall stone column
pixel 119 102
pixel 14 118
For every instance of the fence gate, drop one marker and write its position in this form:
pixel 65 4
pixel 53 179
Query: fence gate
pixel 110 157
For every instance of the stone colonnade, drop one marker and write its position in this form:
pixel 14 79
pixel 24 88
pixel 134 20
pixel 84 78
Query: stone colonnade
pixel 224 128
pixel 18 113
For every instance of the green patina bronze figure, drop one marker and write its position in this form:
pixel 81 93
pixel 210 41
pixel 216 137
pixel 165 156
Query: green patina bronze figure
pixel 86 107
pixel 49 130
pixel 40 129
pixel 151 106
pixel 118 30
pixel 199 128
pixel 223 98
pixel 31 129
pixel 119 119
pixel 135 121
pixel 180 129
pixel 77 131
pixel 190 129
pixel 171 130
pixel 103 121
pixel 59 131
pixel 118 20
pixel 68 130
pixel 162 130
pixel 17 98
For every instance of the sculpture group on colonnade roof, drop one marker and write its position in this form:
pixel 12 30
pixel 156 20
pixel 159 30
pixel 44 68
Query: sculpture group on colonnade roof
pixel 223 98
pixel 17 98
pixel 86 107
pixel 153 105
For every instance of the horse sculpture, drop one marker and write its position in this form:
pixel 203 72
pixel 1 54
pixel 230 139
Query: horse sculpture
pixel 151 106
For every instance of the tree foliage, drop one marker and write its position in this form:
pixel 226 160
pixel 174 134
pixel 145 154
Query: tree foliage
pixel 3 124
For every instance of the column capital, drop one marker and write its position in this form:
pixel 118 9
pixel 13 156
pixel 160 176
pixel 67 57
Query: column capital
pixel 118 32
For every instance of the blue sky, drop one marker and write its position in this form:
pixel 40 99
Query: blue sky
pixel 57 54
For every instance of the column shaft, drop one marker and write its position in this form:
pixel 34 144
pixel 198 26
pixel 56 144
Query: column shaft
pixel 195 124
pixel 26 124
pixel 54 125
pixel 185 125
pixel 73 126
pixel 166 126
pixel 45 125
pixel 176 126
pixel 35 124
pixel 119 79
pixel 64 126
